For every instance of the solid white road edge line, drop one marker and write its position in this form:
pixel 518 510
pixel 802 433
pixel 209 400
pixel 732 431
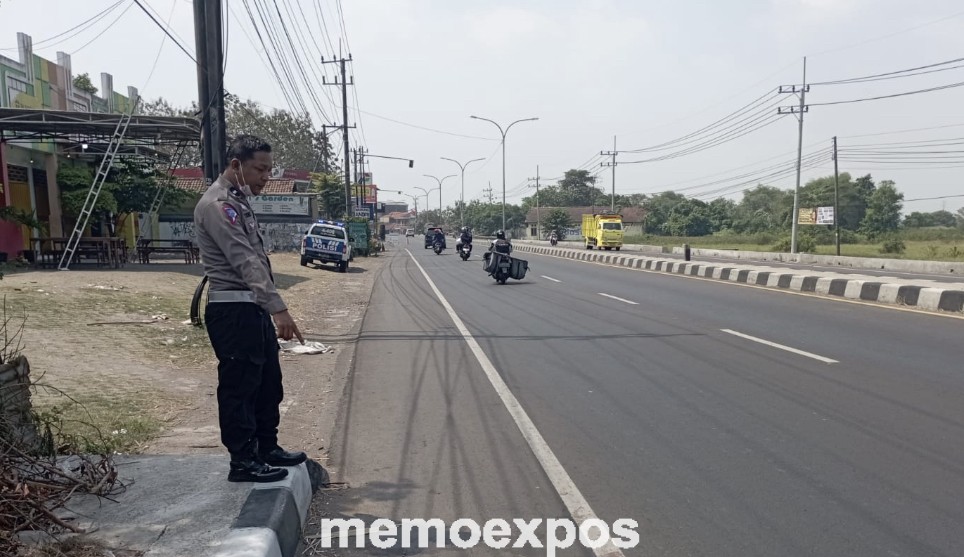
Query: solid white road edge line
pixel 577 505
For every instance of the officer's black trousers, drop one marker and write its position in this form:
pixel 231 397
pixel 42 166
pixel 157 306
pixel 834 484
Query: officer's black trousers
pixel 249 374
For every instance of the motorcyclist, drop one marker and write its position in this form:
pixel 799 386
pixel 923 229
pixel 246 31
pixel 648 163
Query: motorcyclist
pixel 500 244
pixel 465 238
pixel 439 237
pixel 553 238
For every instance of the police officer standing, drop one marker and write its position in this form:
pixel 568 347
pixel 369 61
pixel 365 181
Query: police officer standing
pixel 242 303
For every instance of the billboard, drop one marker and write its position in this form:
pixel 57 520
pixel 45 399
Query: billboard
pixel 825 215
pixel 368 192
pixel 815 215
pixel 280 205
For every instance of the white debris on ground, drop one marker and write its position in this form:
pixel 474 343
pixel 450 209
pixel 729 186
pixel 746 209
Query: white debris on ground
pixel 309 347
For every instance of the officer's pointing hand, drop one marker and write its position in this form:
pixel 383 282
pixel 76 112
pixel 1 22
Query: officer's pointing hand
pixel 286 326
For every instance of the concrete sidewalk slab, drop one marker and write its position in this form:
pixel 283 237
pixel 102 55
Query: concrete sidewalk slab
pixel 183 505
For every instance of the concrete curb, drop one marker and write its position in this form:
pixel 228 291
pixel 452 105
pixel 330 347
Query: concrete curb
pixel 920 294
pixel 272 517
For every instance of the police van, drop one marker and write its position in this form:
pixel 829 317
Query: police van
pixel 326 242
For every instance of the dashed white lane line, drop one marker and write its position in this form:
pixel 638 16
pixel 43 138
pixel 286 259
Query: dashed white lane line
pixel 624 300
pixel 817 357
pixel 550 278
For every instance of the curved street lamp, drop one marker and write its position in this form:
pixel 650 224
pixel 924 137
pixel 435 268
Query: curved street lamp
pixel 503 154
pixel 462 197
pixel 426 192
pixel 439 192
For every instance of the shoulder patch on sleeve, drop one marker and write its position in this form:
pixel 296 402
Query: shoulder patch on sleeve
pixel 230 213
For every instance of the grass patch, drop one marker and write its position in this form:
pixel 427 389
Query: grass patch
pixel 98 423
pixel 74 547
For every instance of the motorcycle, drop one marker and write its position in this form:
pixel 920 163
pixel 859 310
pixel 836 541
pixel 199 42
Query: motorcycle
pixel 553 240
pixel 465 250
pixel 503 267
pixel 437 248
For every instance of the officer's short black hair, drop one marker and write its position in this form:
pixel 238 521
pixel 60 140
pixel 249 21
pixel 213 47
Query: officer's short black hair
pixel 243 147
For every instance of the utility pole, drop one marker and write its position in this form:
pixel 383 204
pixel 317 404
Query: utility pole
pixel 324 149
pixel 613 153
pixel 210 61
pixel 836 197
pixel 489 194
pixel 538 217
pixel 799 111
pixel 360 178
pixel 344 122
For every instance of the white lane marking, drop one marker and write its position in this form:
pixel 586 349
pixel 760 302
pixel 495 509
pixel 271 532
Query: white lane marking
pixel 618 298
pixel 550 278
pixel 577 505
pixel 782 347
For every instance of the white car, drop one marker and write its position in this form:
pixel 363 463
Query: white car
pixel 326 242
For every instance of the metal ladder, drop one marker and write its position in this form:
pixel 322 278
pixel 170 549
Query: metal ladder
pixel 166 182
pixel 105 165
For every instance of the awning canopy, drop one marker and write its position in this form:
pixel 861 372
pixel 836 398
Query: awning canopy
pixel 62 126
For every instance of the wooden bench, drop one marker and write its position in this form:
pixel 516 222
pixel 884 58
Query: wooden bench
pixel 147 246
pixel 104 251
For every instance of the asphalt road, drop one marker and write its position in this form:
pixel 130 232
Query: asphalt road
pixel 725 419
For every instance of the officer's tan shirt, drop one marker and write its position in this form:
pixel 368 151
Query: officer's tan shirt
pixel 231 245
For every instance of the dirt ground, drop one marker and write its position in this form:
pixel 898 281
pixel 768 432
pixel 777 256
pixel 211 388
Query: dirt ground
pixel 107 336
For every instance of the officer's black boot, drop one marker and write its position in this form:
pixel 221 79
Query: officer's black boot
pixel 246 466
pixel 276 456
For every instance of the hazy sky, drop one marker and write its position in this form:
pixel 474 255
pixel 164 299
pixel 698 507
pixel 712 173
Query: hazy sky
pixel 646 71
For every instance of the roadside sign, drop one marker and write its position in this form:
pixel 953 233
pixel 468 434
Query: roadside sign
pixel 825 215
pixel 807 215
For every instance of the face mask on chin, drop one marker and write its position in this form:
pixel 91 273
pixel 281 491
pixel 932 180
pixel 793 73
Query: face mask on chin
pixel 245 188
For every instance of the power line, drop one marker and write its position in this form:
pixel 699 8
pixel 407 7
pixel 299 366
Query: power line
pixel 760 122
pixel 320 17
pixel 910 144
pixel 893 74
pixel 889 35
pixel 752 105
pixel 715 174
pixel 719 102
pixel 897 132
pixel 904 94
pixel 87 23
pixel 285 88
pixel 166 31
pixel 101 34
pixel 730 190
pixel 160 49
pixel 294 51
pixel 261 56
pixel 932 198
pixel 314 63
pixel 424 128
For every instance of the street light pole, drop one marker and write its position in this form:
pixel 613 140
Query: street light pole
pixel 462 197
pixel 503 154
pixel 426 192
pixel 440 181
pixel 414 199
